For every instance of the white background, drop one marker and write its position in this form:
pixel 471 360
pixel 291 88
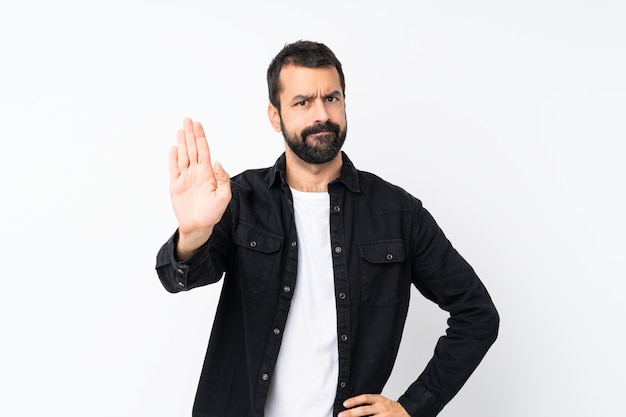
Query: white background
pixel 506 118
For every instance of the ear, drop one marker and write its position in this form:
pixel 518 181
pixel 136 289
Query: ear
pixel 274 116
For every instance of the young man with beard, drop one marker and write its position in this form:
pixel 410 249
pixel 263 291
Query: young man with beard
pixel 318 260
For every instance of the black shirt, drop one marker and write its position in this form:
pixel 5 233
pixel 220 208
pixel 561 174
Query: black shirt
pixel 382 241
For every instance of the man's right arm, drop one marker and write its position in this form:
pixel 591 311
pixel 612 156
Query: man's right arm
pixel 200 195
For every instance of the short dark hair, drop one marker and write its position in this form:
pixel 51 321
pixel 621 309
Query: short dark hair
pixel 304 54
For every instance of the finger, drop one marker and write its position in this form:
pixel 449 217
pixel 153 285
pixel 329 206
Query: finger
pixel 364 410
pixel 174 170
pixel 183 158
pixel 190 141
pixel 221 176
pixel 359 400
pixel 204 153
pixel 358 406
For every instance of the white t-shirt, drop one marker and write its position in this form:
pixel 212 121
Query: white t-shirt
pixel 305 379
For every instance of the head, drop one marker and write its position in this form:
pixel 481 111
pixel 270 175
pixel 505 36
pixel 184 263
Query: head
pixel 301 54
pixel 306 91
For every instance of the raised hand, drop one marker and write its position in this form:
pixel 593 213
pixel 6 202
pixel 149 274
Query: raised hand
pixel 200 193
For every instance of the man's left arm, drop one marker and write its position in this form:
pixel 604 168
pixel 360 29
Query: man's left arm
pixel 444 277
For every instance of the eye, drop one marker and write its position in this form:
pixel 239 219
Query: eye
pixel 331 99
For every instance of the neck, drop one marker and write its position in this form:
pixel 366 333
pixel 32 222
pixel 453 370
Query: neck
pixel 307 177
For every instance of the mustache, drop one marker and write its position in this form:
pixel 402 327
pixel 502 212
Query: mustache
pixel 321 128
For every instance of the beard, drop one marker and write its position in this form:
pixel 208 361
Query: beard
pixel 318 149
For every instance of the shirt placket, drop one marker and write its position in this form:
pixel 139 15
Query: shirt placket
pixel 342 290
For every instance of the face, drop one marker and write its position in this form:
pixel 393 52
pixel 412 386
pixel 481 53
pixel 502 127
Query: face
pixel 312 116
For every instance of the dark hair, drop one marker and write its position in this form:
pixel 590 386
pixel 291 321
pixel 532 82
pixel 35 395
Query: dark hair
pixel 304 54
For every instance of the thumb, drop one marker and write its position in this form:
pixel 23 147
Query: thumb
pixel 221 175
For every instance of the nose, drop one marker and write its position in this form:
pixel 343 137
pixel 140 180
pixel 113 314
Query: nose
pixel 320 112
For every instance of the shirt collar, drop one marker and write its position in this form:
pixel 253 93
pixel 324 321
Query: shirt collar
pixel 349 175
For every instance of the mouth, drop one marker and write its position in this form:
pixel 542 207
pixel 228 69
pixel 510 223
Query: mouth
pixel 322 133
pixel 320 136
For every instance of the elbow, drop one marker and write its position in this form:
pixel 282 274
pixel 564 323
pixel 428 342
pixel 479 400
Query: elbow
pixel 484 325
pixel 492 325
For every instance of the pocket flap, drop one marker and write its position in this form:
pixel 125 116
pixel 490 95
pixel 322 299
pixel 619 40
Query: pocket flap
pixel 383 251
pixel 257 240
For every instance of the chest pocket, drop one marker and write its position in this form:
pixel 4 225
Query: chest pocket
pixel 382 263
pixel 257 254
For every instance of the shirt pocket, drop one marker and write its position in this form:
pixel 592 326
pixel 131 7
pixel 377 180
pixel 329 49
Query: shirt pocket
pixel 257 253
pixel 382 263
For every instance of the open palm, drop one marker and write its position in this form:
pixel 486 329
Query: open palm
pixel 200 192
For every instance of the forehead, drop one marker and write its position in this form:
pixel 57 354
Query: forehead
pixel 296 80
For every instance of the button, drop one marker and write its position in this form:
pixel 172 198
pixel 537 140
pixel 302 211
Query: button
pixel 277 331
pixel 180 271
pixel 286 288
pixel 389 256
pixel 342 295
pixel 181 284
pixel 342 384
pixel 265 377
pixel 344 337
pixel 338 249
pixel 337 209
pixel 293 244
pixel 253 244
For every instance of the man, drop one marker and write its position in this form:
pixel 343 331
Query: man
pixel 318 260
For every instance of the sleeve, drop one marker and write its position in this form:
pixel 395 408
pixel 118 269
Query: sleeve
pixel 206 266
pixel 444 277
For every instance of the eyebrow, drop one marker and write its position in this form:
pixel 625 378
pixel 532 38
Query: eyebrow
pixel 302 97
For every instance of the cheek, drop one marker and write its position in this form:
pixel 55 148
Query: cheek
pixel 339 116
pixel 293 123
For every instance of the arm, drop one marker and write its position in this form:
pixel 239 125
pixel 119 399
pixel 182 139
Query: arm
pixel 199 192
pixel 200 195
pixel 444 277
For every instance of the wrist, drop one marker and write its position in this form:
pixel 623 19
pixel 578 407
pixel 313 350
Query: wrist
pixel 189 242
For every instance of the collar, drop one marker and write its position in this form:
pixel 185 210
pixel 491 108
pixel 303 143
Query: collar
pixel 349 175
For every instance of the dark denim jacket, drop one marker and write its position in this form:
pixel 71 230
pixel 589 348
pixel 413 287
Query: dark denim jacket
pixel 382 241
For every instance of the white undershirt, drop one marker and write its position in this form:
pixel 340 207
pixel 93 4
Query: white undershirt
pixel 305 379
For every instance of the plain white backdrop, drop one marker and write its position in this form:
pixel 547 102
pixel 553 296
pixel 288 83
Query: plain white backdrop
pixel 507 119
